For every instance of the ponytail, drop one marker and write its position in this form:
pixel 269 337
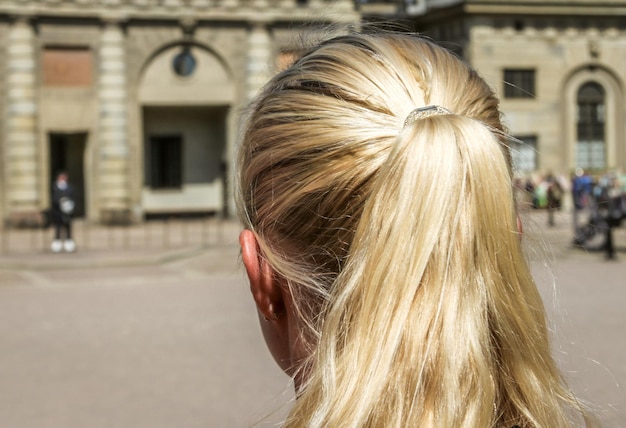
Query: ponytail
pixel 412 309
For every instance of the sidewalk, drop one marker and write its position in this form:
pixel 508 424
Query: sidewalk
pixel 149 243
pixel 155 242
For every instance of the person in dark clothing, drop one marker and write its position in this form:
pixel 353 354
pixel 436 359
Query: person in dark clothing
pixel 61 213
pixel 554 194
pixel 611 206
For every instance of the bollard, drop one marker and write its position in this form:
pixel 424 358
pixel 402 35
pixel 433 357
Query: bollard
pixel 86 234
pixel 109 234
pixel 166 233
pixel 42 239
pixel 33 239
pixel 220 229
pixel 4 241
pixel 125 236
pixel 146 234
pixel 203 229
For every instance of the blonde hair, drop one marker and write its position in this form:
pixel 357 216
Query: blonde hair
pixel 398 241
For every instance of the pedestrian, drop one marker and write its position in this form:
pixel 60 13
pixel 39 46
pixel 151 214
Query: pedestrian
pixel 61 211
pixel 554 193
pixel 529 187
pixel 382 244
pixel 612 208
pixel 578 198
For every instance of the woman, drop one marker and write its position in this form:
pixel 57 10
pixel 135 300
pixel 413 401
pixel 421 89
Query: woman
pixel 383 247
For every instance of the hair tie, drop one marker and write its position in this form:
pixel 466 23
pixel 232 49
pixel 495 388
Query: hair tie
pixel 423 112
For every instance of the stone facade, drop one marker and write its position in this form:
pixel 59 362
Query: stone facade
pixel 137 99
pixel 563 50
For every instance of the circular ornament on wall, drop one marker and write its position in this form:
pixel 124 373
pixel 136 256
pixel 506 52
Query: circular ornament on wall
pixel 184 63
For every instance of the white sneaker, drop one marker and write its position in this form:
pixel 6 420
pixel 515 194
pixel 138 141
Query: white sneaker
pixel 57 246
pixel 69 246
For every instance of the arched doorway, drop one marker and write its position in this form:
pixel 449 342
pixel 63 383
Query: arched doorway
pixel 185 98
pixel 590 127
pixel 592 119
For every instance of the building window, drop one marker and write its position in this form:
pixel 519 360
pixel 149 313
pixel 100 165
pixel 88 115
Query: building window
pixel 166 168
pixel 67 66
pixel 590 142
pixel 524 153
pixel 519 83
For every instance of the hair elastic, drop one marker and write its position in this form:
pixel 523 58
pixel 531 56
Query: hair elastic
pixel 423 112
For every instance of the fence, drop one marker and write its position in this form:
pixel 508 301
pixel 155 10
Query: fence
pixel 169 233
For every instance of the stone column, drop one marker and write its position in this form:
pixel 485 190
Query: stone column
pixel 113 152
pixel 259 56
pixel 22 172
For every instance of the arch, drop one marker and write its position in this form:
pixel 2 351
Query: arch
pixel 184 96
pixel 613 112
pixel 211 82
pixel 178 43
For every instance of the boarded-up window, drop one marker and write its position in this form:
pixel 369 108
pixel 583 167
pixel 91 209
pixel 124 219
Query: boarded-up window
pixel 67 66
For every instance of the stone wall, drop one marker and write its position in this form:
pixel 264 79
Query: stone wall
pixel 566 43
pixel 564 58
pixel 123 38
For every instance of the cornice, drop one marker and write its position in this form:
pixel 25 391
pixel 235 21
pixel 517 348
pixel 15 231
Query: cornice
pixel 546 8
pixel 342 11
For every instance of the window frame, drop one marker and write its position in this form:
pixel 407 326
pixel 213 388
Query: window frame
pixel 591 126
pixel 519 83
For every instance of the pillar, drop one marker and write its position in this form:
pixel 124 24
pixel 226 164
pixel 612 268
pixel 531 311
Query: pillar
pixel 21 172
pixel 113 150
pixel 258 61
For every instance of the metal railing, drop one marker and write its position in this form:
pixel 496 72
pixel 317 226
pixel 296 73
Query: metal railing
pixel 158 234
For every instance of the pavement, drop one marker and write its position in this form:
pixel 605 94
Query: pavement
pixel 150 243
pixel 153 326
pixel 153 243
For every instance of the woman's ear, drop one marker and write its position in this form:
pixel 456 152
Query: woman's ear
pixel 269 296
pixel 264 287
pixel 520 229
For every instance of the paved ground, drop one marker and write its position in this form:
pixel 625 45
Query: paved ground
pixel 164 336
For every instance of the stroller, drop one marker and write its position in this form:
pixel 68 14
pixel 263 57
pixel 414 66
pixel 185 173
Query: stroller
pixel 607 210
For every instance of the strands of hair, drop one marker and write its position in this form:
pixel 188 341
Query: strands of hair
pixel 398 242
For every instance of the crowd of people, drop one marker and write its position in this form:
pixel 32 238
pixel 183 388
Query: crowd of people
pixel 597 202
pixel 604 199
pixel 543 191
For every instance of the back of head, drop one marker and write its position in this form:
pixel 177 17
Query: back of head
pixel 398 240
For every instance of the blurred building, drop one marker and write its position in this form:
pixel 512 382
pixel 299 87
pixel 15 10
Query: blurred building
pixel 559 67
pixel 137 99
